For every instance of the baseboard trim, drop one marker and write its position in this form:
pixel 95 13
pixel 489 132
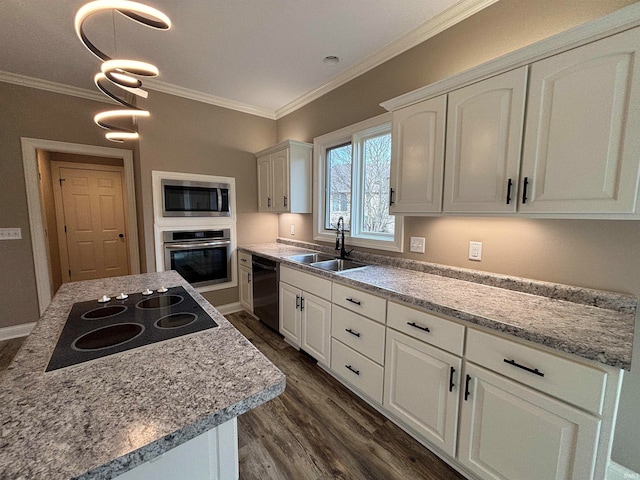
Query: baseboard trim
pixel 16 331
pixel 618 472
pixel 230 308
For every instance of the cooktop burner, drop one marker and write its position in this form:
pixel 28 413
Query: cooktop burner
pixel 95 330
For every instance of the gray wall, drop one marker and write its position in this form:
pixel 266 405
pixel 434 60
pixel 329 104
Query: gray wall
pixel 597 254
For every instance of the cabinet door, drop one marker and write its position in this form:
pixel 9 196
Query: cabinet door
pixel 484 136
pixel 290 313
pixel 280 181
pixel 246 288
pixel 316 328
pixel 421 388
pixel 511 432
pixel 264 184
pixel 582 148
pixel 417 160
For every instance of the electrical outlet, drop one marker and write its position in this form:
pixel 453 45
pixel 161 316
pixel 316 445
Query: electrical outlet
pixel 417 244
pixel 475 251
pixel 10 233
pixel 293 229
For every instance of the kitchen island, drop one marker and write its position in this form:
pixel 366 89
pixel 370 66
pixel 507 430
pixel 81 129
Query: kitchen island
pixel 100 419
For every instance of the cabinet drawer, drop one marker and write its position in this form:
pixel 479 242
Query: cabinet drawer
pixel 366 375
pixel 576 383
pixel 320 287
pixel 359 302
pixel 358 332
pixel 244 259
pixel 427 327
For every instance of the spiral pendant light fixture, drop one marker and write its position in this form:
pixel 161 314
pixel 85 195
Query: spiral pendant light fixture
pixel 124 74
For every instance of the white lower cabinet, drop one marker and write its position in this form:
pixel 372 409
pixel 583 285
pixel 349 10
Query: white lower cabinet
pixel 305 318
pixel 511 432
pixel 245 281
pixel 360 371
pixel 421 388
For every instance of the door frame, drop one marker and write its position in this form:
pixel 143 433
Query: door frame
pixel 41 259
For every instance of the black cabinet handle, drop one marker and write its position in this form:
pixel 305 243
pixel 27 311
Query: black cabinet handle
pixel 466 388
pixel 285 200
pixel 243 260
pixel 391 202
pixel 357 372
pixel 509 186
pixel 249 278
pixel 297 302
pixel 415 325
pixel 535 371
pixel 524 189
pixel 353 301
pixel 269 202
pixel 301 303
pixel 451 385
pixel 355 334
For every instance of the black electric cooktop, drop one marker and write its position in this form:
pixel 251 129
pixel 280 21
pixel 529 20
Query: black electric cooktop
pixel 94 329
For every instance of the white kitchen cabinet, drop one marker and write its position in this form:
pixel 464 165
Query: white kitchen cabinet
pixel 483 146
pixel 245 281
pixel 305 318
pixel 511 432
pixel 582 149
pixel 417 157
pixel 358 370
pixel 284 178
pixel 421 388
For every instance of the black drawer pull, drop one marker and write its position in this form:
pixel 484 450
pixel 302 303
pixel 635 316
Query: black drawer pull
pixel 535 371
pixel 297 302
pixel 355 334
pixel 353 301
pixel 451 385
pixel 301 303
pixel 415 325
pixel 466 388
pixel 524 190
pixel 509 186
pixel 357 372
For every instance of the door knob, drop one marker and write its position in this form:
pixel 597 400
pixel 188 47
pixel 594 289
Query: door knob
pixel 121 235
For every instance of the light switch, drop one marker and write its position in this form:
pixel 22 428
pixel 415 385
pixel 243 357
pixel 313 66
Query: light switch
pixel 417 244
pixel 10 233
pixel 293 229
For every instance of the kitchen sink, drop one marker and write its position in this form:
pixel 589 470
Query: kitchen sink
pixel 309 258
pixel 338 265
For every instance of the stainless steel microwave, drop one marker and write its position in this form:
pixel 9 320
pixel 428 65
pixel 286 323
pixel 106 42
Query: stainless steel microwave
pixel 182 198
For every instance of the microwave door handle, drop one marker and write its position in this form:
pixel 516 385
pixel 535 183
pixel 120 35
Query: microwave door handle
pixel 219 193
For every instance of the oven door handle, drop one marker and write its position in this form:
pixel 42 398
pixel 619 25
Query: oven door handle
pixel 176 246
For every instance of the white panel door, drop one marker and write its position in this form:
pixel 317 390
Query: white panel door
pixel 417 160
pixel 316 328
pixel 422 387
pixel 290 313
pixel 511 432
pixel 582 142
pixel 280 173
pixel 484 137
pixel 265 202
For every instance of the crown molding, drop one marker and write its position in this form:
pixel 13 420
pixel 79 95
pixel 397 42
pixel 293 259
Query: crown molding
pixel 431 28
pixel 210 99
pixel 40 84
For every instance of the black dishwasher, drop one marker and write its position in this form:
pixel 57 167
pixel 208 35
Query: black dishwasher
pixel 266 277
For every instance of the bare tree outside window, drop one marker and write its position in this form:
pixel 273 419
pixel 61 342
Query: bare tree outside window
pixel 339 186
pixel 376 171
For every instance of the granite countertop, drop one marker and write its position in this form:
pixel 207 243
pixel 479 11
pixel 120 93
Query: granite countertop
pixel 98 419
pixel 592 324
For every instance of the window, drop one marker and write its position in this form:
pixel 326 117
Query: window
pixel 353 168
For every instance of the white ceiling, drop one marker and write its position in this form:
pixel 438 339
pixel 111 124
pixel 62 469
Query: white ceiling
pixel 259 56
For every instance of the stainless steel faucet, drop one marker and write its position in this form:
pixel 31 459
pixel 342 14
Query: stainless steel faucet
pixel 340 238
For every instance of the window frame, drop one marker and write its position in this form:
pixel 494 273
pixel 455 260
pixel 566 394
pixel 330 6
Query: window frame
pixel 353 134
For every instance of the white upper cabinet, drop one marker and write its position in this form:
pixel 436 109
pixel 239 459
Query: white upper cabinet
pixel 284 178
pixel 417 159
pixel 582 141
pixel 484 137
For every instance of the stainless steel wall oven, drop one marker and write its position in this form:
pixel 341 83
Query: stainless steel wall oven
pixel 202 257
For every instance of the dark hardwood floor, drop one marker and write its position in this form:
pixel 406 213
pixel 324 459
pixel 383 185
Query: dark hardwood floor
pixel 317 429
